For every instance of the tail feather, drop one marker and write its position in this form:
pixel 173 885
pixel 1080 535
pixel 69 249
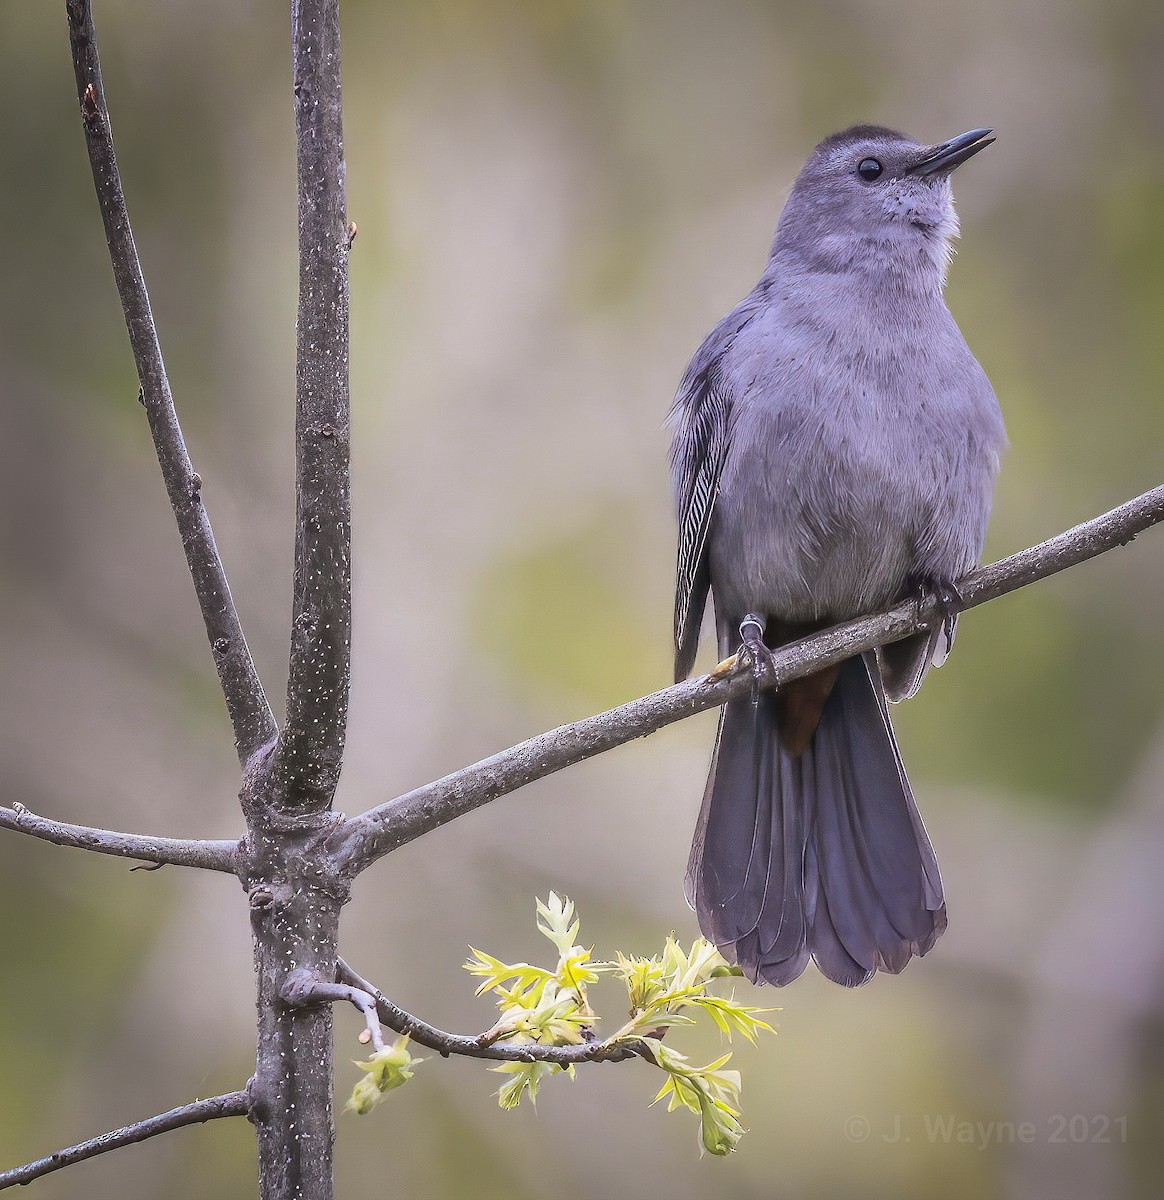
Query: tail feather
pixel 731 860
pixel 929 860
pixel 883 822
pixel 846 931
pixel 843 961
pixel 779 948
pixel 822 853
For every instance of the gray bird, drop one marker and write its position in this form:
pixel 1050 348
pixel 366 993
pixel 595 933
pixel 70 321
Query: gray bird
pixel 835 449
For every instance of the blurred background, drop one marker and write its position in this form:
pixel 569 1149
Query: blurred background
pixel 556 200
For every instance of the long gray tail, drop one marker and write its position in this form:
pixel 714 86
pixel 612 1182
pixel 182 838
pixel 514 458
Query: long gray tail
pixel 822 854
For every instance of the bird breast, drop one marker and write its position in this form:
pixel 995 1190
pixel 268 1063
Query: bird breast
pixel 849 470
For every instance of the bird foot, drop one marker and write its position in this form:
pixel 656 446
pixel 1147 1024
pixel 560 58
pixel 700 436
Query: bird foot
pixel 944 593
pixel 754 654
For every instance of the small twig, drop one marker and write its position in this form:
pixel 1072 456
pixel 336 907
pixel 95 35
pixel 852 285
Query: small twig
pixel 307 767
pixel 233 1104
pixel 302 987
pixel 178 852
pixel 445 1044
pixel 250 714
pixel 361 840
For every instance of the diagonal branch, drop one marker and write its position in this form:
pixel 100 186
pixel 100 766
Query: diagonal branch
pixel 250 715
pixel 311 752
pixel 477 1047
pixel 178 852
pixel 358 842
pixel 233 1104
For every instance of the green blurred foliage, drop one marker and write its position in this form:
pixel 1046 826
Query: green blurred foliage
pixel 565 594
pixel 555 202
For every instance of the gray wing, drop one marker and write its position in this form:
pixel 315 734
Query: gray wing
pixel 697 455
pixel 701 420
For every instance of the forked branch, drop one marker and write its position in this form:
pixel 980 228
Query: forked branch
pixel 233 1104
pixel 250 714
pixel 361 840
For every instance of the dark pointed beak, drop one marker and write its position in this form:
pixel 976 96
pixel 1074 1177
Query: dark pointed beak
pixel 941 160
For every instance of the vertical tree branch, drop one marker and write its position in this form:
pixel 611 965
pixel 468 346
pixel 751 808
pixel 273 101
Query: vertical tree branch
pixel 295 927
pixel 294 904
pixel 250 714
pixel 308 765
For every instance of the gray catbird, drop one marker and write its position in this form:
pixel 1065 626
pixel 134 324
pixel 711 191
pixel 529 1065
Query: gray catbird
pixel 835 449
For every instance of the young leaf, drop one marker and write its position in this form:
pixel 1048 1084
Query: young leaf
pixel 497 973
pixel 554 920
pixel 527 1077
pixel 643 978
pixel 387 1070
pixel 732 1017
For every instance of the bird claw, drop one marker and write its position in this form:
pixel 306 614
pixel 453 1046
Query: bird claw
pixel 754 654
pixel 945 595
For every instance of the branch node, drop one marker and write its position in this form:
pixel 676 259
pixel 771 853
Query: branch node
pixel 303 987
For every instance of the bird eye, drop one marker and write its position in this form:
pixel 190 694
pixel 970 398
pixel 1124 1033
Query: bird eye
pixel 869 169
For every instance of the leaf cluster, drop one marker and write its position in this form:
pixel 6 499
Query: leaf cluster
pixel 543 1006
pixel 551 1007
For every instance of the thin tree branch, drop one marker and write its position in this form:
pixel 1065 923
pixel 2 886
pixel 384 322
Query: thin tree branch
pixel 233 1104
pixel 178 852
pixel 311 752
pixel 475 1047
pixel 303 987
pixel 358 842
pixel 250 714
